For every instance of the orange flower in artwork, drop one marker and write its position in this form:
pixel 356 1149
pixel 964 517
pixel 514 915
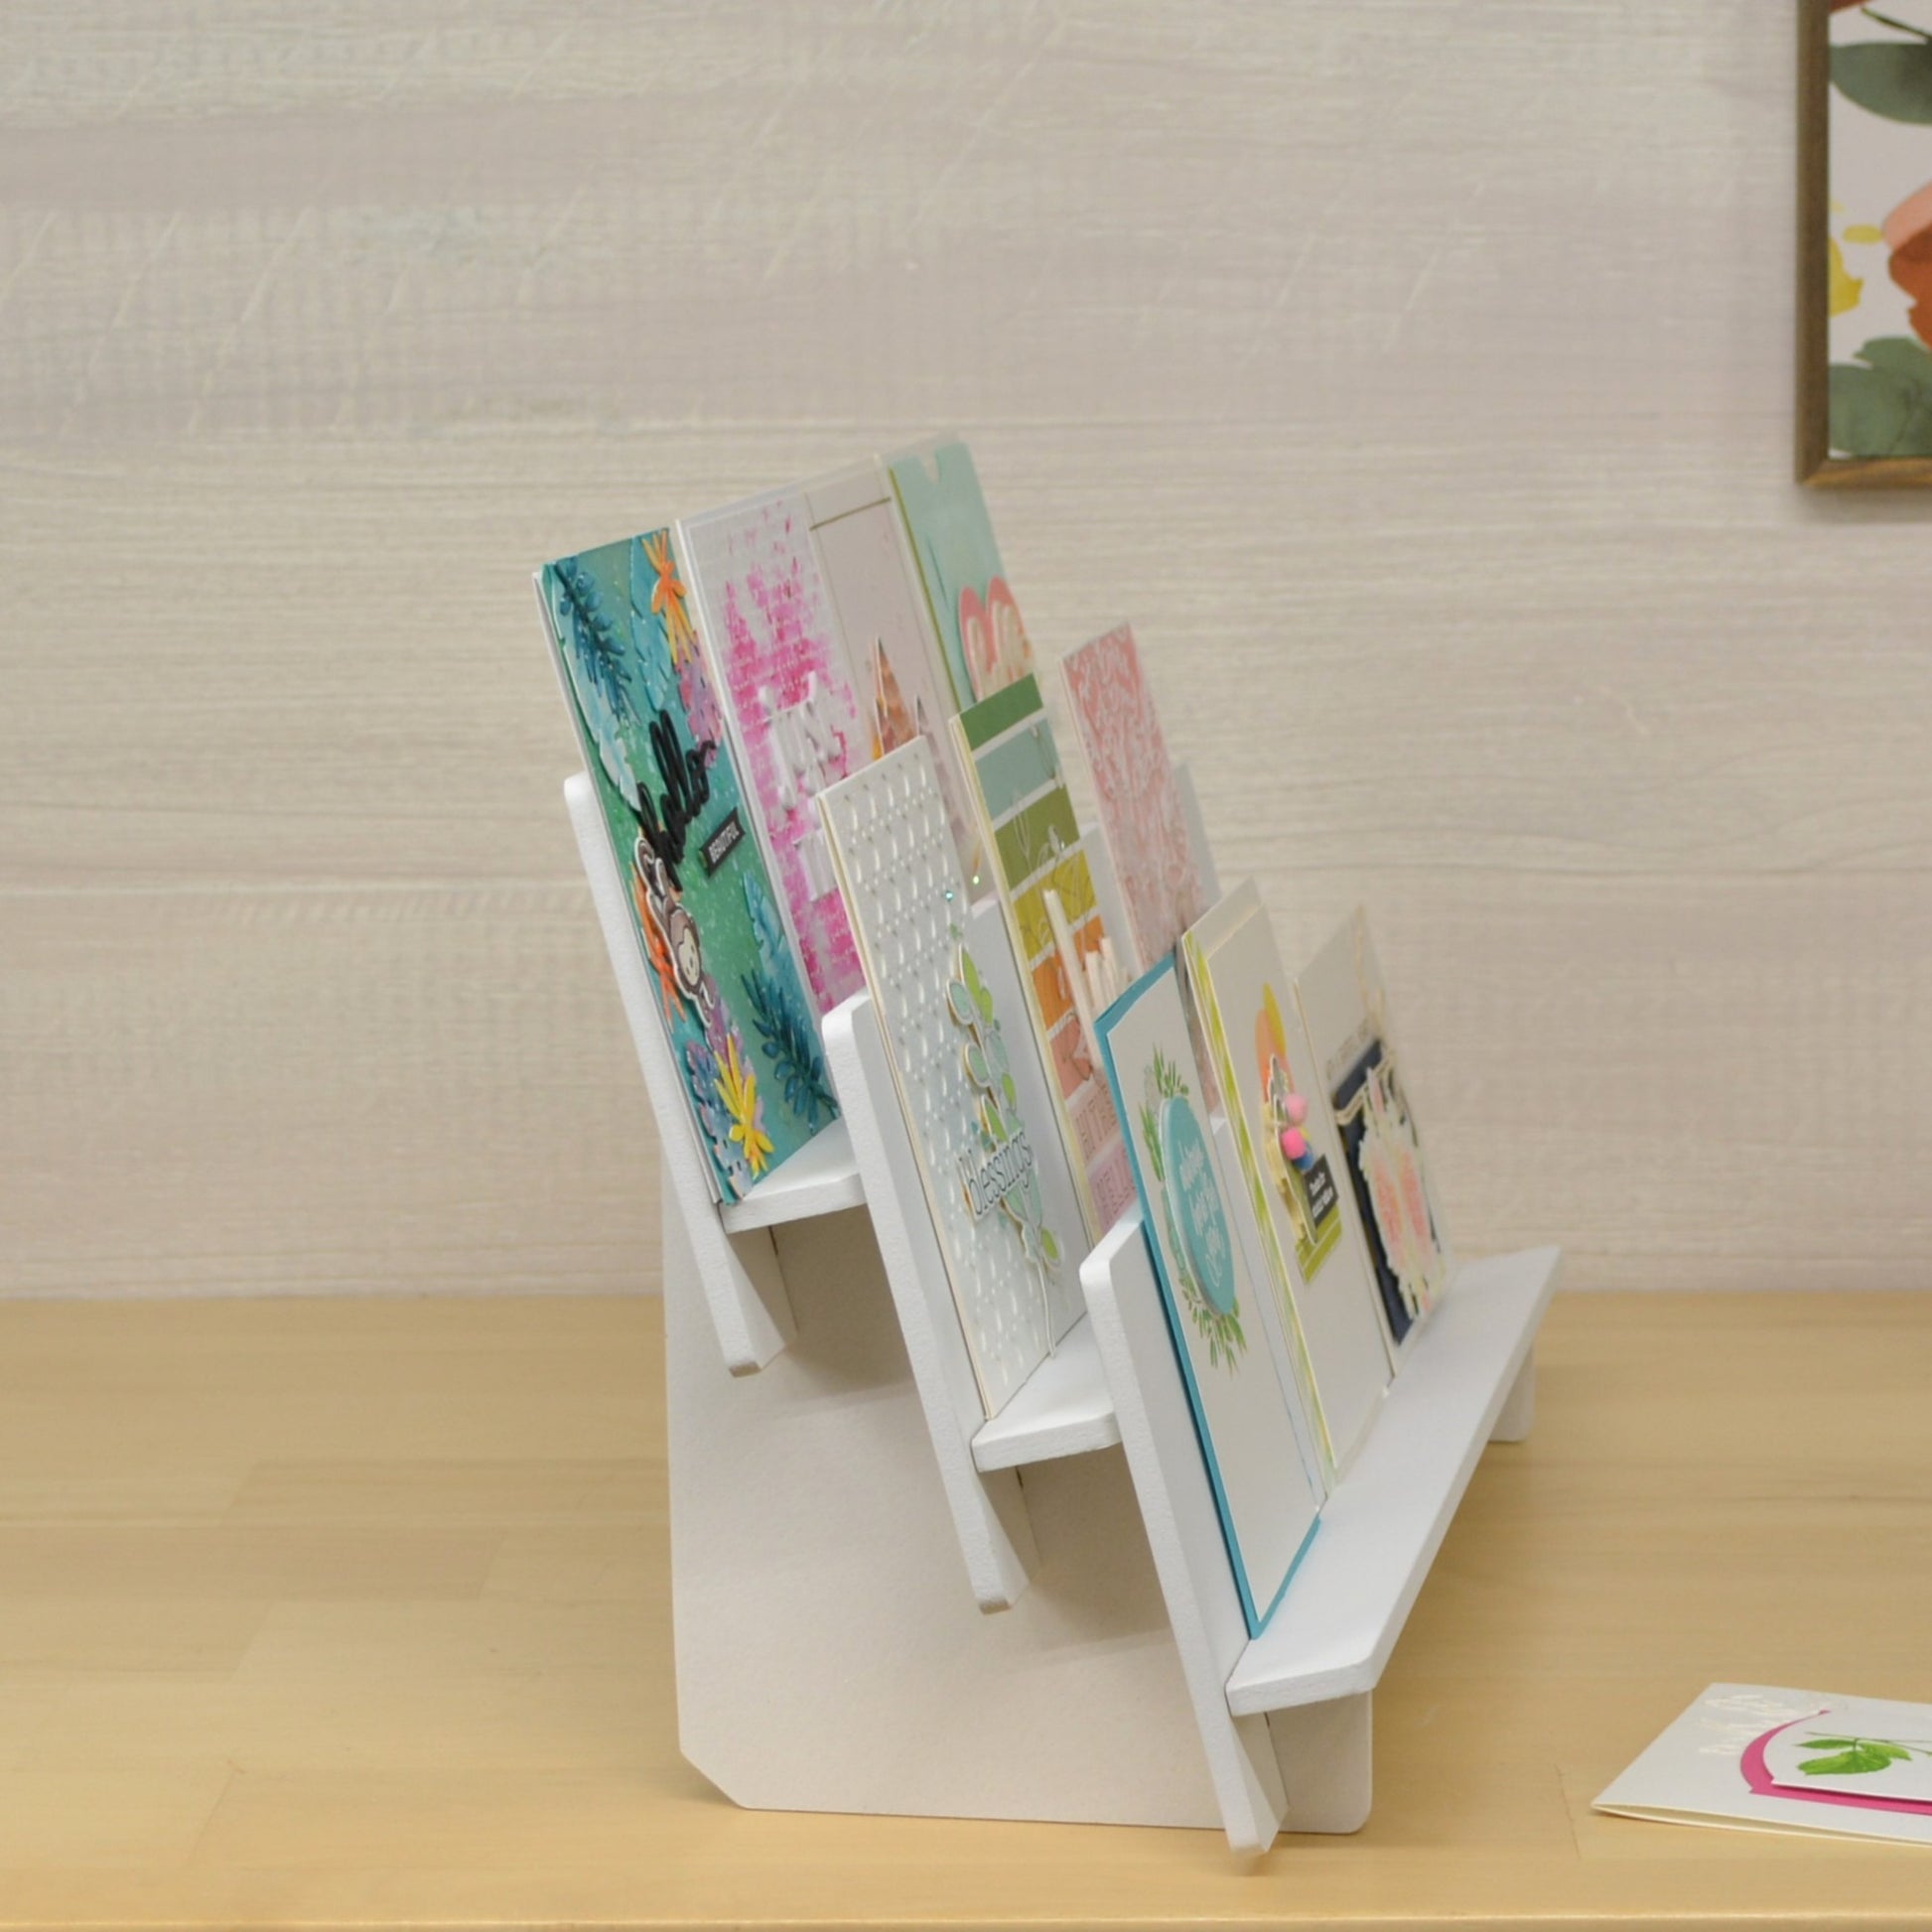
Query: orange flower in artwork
pixel 1908 235
pixel 656 949
pixel 667 598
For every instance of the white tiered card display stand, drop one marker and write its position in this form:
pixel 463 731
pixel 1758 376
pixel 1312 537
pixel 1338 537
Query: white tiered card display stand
pixel 883 1603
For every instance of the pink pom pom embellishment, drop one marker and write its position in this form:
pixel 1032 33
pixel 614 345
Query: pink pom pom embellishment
pixel 1296 1108
pixel 1295 1144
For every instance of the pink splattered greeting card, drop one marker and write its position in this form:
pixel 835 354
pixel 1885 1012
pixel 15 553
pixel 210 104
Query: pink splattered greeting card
pixel 1134 786
pixel 769 629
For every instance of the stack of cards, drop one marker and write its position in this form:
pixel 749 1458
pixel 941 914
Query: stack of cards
pixel 814 729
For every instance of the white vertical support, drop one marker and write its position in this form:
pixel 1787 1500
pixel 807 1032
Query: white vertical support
pixel 743 1287
pixel 1197 845
pixel 1112 907
pixel 1183 1528
pixel 987 1511
pixel 1325 1752
pixel 1519 1405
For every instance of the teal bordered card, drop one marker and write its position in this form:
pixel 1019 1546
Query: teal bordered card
pixel 1217 1311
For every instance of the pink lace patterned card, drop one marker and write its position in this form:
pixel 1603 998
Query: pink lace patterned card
pixel 769 627
pixel 1133 787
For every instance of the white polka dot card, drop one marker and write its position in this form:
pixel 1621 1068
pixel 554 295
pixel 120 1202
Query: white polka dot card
pixel 969 1079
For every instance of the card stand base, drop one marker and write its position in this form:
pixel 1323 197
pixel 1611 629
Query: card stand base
pixel 1259 1704
pixel 828 1657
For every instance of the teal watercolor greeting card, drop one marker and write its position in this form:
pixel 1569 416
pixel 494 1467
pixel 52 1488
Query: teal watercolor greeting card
pixel 1245 1411
pixel 973 608
pixel 740 1023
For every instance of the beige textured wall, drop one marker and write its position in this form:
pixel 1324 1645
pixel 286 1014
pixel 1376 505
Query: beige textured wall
pixel 1416 376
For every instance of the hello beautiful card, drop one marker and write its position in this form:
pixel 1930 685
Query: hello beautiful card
pixel 740 1021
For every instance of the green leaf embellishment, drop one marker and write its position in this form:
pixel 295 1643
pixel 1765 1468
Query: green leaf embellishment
pixel 1856 1756
pixel 1886 77
pixel 1882 404
pixel 984 1054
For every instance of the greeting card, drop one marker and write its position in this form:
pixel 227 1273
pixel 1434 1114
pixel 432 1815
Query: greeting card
pixel 892 655
pixel 1026 822
pixel 1217 1312
pixel 741 1023
pixel 973 610
pixel 1345 1011
pixel 1292 1169
pixel 970 1083
pixel 1134 786
pixel 768 624
pixel 1761 1758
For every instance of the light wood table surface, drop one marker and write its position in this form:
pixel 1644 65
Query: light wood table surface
pixel 355 1612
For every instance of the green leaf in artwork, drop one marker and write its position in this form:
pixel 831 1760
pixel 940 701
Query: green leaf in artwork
pixel 1885 407
pixel 1886 77
pixel 1861 1758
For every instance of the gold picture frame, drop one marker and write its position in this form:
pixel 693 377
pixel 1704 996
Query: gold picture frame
pixel 1864 420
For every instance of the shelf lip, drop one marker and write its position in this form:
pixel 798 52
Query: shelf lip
pixel 1063 1408
pixel 822 1178
pixel 1335 1629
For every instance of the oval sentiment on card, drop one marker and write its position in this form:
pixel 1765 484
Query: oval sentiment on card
pixel 1203 1227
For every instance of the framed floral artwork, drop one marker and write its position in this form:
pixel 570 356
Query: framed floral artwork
pixel 1865 299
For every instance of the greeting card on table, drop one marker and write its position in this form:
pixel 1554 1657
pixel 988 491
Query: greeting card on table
pixel 904 688
pixel 1345 1012
pixel 1217 1313
pixel 740 1021
pixel 1292 1168
pixel 1026 822
pixel 1134 786
pixel 768 628
pixel 1760 1758
pixel 973 610
pixel 969 1080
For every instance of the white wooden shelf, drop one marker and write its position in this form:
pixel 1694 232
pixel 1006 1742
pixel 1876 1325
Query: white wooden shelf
pixel 1347 1603
pixel 820 1178
pixel 828 1657
pixel 1062 1409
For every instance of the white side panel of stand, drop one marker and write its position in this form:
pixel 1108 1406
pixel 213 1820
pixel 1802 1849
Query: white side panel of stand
pixel 743 1287
pixel 1182 1530
pixel 987 1512
pixel 1385 1521
pixel 1106 897
pixel 827 1657
pixel 1211 876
